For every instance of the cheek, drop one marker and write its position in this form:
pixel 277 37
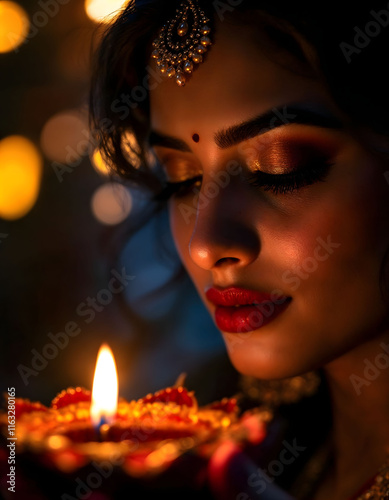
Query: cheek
pixel 350 212
pixel 336 262
pixel 358 217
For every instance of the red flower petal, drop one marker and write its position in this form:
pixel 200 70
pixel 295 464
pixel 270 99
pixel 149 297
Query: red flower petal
pixel 27 406
pixel 229 405
pixel 178 395
pixel 70 396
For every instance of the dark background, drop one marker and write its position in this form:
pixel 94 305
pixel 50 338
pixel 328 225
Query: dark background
pixel 58 254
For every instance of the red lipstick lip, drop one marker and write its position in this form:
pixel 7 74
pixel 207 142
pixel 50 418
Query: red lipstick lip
pixel 239 310
pixel 235 296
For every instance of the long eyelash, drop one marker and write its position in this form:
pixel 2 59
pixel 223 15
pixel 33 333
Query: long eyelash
pixel 276 183
pixel 289 182
pixel 178 188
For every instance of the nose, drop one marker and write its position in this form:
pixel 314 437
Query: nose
pixel 224 234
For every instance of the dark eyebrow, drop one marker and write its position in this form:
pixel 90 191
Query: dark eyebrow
pixel 276 117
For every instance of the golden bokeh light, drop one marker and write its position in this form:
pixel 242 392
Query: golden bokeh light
pixel 103 10
pixel 131 149
pixel 131 152
pixel 65 137
pixel 99 164
pixel 14 26
pixel 20 176
pixel 111 203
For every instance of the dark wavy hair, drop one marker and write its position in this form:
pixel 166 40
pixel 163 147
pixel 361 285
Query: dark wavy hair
pixel 344 47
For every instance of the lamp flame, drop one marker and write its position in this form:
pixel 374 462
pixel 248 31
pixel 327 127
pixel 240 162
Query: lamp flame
pixel 105 389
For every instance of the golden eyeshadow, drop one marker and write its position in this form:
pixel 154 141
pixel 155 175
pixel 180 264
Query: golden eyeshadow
pixel 284 156
pixel 178 170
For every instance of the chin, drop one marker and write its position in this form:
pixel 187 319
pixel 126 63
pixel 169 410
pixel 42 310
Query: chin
pixel 252 360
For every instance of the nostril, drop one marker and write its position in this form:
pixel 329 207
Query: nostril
pixel 226 260
pixel 220 242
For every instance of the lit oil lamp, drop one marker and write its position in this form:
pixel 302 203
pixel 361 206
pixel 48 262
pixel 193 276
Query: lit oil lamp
pixel 164 437
pixel 105 392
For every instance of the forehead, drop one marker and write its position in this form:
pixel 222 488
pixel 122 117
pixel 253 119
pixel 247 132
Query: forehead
pixel 239 78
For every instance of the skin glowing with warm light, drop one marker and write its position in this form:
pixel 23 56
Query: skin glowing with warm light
pixel 318 242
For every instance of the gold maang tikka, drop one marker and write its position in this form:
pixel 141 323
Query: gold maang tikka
pixel 182 42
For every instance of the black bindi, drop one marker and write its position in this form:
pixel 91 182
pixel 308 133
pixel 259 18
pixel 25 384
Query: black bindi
pixel 196 137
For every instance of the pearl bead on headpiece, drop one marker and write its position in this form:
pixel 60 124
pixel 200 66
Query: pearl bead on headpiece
pixel 182 42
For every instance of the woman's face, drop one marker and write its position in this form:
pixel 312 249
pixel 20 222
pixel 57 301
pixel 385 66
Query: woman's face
pixel 290 207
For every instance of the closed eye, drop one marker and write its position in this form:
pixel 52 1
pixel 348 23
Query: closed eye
pixel 311 173
pixel 180 189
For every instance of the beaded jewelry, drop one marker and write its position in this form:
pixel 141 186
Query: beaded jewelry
pixel 182 42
